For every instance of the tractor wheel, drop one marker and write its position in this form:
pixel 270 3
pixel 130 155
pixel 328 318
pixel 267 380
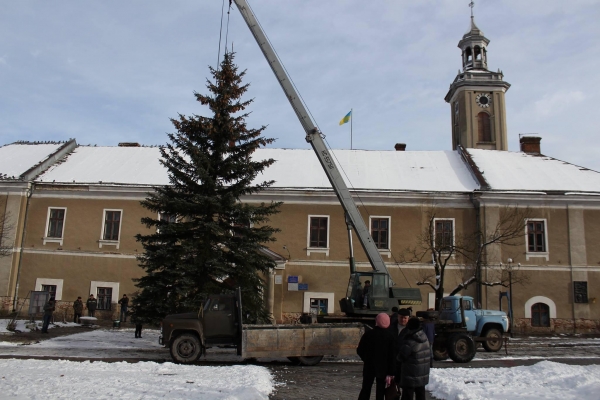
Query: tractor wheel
pixel 461 348
pixel 492 345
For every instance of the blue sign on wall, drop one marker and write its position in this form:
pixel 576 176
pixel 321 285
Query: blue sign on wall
pixel 303 286
pixel 292 279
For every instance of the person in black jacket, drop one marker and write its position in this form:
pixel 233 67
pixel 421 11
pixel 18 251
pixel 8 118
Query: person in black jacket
pixel 414 355
pixel 376 349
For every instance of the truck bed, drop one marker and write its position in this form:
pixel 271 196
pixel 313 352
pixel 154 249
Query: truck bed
pixel 300 340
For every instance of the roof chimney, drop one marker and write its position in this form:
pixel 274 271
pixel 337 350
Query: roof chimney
pixel 530 144
pixel 129 144
pixel 400 146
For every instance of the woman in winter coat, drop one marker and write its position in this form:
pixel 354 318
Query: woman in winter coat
pixel 414 355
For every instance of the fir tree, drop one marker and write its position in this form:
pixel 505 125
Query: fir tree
pixel 207 240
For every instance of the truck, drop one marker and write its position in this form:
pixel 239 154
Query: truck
pixel 218 324
pixel 459 326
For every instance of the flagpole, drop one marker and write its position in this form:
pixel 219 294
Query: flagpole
pixel 351 118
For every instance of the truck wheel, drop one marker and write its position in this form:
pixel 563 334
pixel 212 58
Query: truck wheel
pixel 440 354
pixel 186 349
pixel 492 345
pixel 314 360
pixel 294 360
pixel 461 348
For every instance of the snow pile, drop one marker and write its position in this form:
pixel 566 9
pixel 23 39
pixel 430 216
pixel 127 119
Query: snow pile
pixel 22 325
pixel 544 380
pixel 43 379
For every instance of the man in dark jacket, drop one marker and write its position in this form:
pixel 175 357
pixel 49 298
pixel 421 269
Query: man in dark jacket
pixel 376 349
pixel 91 305
pixel 124 302
pixel 48 310
pixel 414 355
pixel 77 310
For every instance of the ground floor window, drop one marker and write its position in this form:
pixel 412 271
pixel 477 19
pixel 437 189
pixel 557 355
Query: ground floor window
pixel 104 298
pixel 318 306
pixel 540 315
pixel 51 289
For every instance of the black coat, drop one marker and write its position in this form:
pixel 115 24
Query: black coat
pixel 376 349
pixel 414 356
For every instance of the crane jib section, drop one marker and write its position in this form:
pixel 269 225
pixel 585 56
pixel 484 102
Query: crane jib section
pixel 313 136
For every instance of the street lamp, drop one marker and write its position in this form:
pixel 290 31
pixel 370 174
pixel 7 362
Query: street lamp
pixel 510 267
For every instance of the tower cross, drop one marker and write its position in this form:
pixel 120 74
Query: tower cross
pixel 471 4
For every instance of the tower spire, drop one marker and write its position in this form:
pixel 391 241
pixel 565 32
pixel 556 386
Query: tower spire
pixel 472 4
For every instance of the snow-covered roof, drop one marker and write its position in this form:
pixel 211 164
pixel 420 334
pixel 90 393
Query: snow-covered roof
pixel 295 169
pixel 508 171
pixel 17 158
pixel 372 170
pixel 119 165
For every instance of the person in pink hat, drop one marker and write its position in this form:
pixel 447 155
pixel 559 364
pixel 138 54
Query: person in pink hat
pixel 376 349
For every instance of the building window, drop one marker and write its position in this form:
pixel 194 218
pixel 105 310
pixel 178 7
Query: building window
pixel 53 286
pixel 580 292
pixel 317 240
pixel 168 218
pixel 55 225
pixel 380 232
pixel 444 234
pixel 484 127
pixel 540 315
pixel 104 298
pixel 50 289
pixel 111 228
pixel 318 306
pixel 536 236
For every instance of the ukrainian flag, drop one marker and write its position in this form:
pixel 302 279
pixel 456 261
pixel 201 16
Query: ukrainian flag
pixel 346 118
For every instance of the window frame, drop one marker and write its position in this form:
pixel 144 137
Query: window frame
pixel 325 249
pixel 59 240
pixel 536 254
pixel 99 307
pixel 50 282
pixel 435 220
pixel 94 285
pixel 102 241
pixel 384 251
pixel 546 308
pixel 159 218
pixel 481 131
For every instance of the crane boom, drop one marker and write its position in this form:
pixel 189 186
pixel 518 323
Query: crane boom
pixel 313 136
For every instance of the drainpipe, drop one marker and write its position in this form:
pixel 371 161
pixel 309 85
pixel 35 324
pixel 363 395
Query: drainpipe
pixel 30 187
pixel 271 297
pixel 476 206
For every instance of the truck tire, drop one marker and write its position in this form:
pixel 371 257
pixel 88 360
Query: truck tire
pixel 294 360
pixel 461 348
pixel 186 348
pixel 309 361
pixel 492 345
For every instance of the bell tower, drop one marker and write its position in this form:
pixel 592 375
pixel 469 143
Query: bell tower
pixel 476 97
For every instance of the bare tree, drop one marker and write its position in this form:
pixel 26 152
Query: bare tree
pixel 467 250
pixel 6 229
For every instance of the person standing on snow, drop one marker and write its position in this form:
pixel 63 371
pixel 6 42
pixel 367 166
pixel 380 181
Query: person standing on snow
pixel 376 349
pixel 414 355
pixel 77 310
pixel 124 302
pixel 91 305
pixel 49 308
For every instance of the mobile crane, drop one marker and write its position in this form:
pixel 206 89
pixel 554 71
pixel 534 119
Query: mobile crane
pixel 382 294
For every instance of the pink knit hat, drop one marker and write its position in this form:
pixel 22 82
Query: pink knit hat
pixel 382 320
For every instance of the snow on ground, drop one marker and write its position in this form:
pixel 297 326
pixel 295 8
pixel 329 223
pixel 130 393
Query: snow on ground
pixel 44 379
pixel 544 380
pixel 22 325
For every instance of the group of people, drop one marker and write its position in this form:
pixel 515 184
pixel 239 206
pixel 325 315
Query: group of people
pixel 396 353
pixel 91 305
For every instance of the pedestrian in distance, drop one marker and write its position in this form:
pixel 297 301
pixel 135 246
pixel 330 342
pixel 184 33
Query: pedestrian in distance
pixel 77 310
pixel 414 355
pixel 376 349
pixel 49 308
pixel 398 331
pixel 91 305
pixel 366 293
pixel 429 329
pixel 138 325
pixel 124 302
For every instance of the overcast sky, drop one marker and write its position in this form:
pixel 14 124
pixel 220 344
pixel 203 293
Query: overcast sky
pixel 109 71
